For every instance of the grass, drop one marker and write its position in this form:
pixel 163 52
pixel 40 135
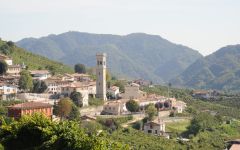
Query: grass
pixel 177 127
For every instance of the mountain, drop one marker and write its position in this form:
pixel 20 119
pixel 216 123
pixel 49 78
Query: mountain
pixel 32 61
pixel 220 70
pixel 136 55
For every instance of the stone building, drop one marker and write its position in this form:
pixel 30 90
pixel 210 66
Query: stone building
pixel 156 128
pixel 132 91
pixel 101 76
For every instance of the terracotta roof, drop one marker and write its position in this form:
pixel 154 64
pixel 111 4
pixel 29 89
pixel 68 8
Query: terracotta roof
pixel 154 123
pixel 30 105
pixel 80 75
pixel 14 66
pixel 39 71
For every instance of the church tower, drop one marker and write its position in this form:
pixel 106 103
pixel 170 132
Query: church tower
pixel 101 76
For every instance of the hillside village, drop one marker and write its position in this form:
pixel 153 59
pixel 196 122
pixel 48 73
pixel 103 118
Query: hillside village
pixel 63 85
pixel 94 97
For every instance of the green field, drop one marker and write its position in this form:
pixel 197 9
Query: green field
pixel 177 127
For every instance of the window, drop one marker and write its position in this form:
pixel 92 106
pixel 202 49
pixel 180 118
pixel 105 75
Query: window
pixel 100 62
pixel 151 126
pixel 149 131
pixel 155 131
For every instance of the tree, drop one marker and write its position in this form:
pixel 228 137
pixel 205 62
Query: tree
pixel 203 121
pixel 80 68
pixel 64 107
pixel 108 75
pixel 76 97
pixel 52 69
pixel 40 133
pixel 132 106
pixel 25 81
pixel 74 114
pixel 39 86
pixel 120 84
pixel 151 111
pixel 3 67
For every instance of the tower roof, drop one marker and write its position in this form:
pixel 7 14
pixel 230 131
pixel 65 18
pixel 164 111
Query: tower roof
pixel 102 54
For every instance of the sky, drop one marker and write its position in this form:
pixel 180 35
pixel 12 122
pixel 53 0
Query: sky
pixel 204 25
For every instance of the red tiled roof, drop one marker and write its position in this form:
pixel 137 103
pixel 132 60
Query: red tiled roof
pixel 29 105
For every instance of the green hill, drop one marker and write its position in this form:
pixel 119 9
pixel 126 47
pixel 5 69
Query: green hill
pixel 220 70
pixel 32 61
pixel 136 55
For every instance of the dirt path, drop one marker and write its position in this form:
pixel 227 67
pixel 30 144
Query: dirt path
pixel 135 119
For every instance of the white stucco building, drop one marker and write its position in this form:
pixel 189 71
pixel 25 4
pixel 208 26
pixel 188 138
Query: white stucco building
pixel 40 74
pixel 7 92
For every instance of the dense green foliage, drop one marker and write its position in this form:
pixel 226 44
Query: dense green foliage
pixel 136 55
pixel 142 141
pixel 64 107
pixel 38 132
pixel 75 113
pixel 208 128
pixel 219 70
pixel 95 101
pixel 25 81
pixel 151 111
pixel 80 68
pixel 132 105
pixel 3 67
pixel 39 86
pixel 32 61
pixel 113 123
pixel 219 107
pixel 76 97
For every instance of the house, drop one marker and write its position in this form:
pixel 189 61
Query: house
pixel 179 106
pixel 91 88
pixel 11 80
pixel 29 108
pixel 54 85
pixel 7 91
pixel 204 94
pixel 14 70
pixel 78 87
pixel 40 74
pixel 81 77
pixel 155 127
pixel 114 108
pixel 142 82
pixel 113 92
pixel 7 59
pixel 132 91
pixel 67 77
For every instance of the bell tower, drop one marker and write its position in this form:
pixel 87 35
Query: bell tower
pixel 101 76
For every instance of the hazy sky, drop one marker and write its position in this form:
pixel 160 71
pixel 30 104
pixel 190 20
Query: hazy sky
pixel 204 25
